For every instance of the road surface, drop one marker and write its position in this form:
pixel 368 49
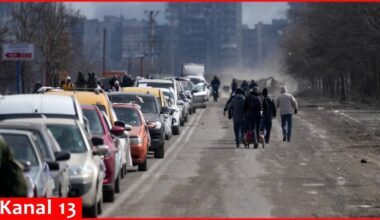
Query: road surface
pixel 330 169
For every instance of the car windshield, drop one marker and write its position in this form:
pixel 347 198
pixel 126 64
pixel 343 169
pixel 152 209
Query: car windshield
pixel 195 81
pixel 186 85
pixel 21 147
pixel 147 103
pixel 96 127
pixel 199 88
pixel 129 116
pixel 156 85
pixel 69 137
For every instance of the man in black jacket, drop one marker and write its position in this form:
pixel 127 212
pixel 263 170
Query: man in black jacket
pixel 253 107
pixel 269 112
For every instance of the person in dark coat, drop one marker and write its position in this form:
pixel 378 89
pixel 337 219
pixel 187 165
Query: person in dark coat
pixel 235 107
pixel 244 86
pixel 234 86
pixel 269 113
pixel 253 85
pixel 253 107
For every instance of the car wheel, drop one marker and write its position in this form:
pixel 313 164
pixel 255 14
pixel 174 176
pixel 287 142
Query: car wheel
pixel 186 118
pixel 122 172
pixel 176 130
pixel 92 211
pixel 125 170
pixel 159 153
pixel 109 196
pixel 182 122
pixel 117 184
pixel 100 206
pixel 194 110
pixel 143 166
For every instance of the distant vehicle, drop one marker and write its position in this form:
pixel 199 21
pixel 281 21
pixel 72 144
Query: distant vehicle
pixel 38 105
pixel 139 134
pixel 24 147
pixel 86 168
pixel 99 128
pixel 49 149
pixel 158 93
pixel 153 114
pixel 191 69
pixel 176 111
pixel 200 95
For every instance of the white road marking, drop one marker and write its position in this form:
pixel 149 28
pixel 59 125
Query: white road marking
pixel 154 169
pixel 313 184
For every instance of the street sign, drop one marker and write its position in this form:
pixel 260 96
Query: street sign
pixel 18 51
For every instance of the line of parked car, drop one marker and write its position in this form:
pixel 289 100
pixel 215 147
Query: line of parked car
pixel 81 143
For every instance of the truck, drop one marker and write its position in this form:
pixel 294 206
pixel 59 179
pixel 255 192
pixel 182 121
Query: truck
pixel 193 69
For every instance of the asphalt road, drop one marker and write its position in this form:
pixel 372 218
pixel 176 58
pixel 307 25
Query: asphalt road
pixel 318 174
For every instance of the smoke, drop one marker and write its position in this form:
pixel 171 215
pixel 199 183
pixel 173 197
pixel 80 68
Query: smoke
pixel 272 67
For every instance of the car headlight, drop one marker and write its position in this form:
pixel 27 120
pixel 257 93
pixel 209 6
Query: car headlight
pixel 135 140
pixel 158 125
pixel 80 170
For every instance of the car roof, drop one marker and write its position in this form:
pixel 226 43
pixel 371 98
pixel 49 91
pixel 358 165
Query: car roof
pixel 84 97
pixel 147 90
pixel 132 93
pixel 156 80
pixel 37 103
pixel 66 121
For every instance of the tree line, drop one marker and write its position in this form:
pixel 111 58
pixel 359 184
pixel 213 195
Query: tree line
pixel 49 27
pixel 335 48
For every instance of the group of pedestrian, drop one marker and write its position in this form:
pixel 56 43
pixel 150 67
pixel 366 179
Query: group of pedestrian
pixel 253 112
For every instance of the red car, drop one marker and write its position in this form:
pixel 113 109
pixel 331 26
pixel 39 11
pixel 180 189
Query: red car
pixel 139 135
pixel 99 128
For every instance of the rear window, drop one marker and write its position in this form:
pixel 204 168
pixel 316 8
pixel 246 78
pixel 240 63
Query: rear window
pixel 147 103
pixel 129 116
pixel 96 127
pixel 156 85
pixel 69 138
pixel 22 148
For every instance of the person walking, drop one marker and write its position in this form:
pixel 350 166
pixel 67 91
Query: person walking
pixel 269 113
pixel 235 108
pixel 116 86
pixel 253 108
pixel 253 85
pixel 287 105
pixel 234 86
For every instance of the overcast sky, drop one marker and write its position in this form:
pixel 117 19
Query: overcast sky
pixel 252 12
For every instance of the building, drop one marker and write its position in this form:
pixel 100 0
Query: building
pixel 207 33
pixel 261 43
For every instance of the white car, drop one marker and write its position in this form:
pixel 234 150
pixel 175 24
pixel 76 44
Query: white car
pixel 175 108
pixel 38 105
pixel 200 96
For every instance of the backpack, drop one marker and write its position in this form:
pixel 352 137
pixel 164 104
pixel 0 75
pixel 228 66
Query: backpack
pixel 254 104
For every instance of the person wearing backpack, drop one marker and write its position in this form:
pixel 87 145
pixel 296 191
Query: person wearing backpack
pixel 287 105
pixel 269 113
pixel 253 108
pixel 235 108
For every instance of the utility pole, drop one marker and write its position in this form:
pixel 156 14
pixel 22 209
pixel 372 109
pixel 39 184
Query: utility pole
pixel 104 49
pixel 152 35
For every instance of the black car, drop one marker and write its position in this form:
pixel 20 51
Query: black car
pixel 153 114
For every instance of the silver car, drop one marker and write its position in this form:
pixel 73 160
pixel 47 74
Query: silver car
pixel 24 147
pixel 86 168
pixel 50 150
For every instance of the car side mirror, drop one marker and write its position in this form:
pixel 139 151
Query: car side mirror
pixel 118 130
pixel 100 150
pixel 165 110
pixel 62 156
pixel 53 165
pixel 119 123
pixel 97 141
pixel 128 127
pixel 26 165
